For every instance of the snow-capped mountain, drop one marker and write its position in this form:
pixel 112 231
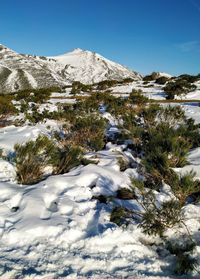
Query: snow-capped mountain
pixel 90 67
pixel 20 71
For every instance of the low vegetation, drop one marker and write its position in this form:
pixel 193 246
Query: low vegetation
pixel 178 87
pixel 158 137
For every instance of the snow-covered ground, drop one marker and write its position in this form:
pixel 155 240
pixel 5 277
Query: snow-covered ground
pixel 152 91
pixel 194 95
pixel 56 229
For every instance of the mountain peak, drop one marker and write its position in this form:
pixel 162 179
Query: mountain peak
pixel 25 71
pixel 78 50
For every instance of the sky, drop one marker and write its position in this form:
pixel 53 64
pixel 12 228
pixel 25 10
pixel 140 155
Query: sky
pixel 144 35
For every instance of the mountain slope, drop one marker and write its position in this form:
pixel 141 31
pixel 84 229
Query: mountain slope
pixel 90 67
pixel 19 71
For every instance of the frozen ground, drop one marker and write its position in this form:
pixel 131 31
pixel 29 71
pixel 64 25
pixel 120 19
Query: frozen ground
pixel 56 229
pixel 152 91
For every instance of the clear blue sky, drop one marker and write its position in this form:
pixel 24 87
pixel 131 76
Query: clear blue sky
pixel 145 35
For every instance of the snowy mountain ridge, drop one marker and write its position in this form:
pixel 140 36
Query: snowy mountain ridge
pixel 20 71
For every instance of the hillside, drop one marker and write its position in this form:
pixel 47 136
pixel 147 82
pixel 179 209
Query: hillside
pixel 20 71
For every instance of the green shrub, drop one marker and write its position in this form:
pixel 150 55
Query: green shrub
pixel 178 87
pixel 32 157
pixel 78 87
pixel 137 98
pixel 183 251
pixel 151 77
pixel 67 158
pixel 123 163
pixel 40 95
pixel 6 105
pixel 156 219
pixel 125 194
pixel 88 132
pixel 102 85
pixel 120 216
pixel 138 184
pixel 185 186
pixel 162 80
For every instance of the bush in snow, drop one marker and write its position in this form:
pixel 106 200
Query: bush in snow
pixel 123 163
pixel 78 87
pixel 102 85
pixel 120 216
pixel 178 87
pixel 151 77
pixel 88 132
pixel 157 218
pixel 183 251
pixel 162 80
pixel 184 186
pixel 40 95
pixel 137 98
pixel 67 158
pixel 32 157
pixel 6 106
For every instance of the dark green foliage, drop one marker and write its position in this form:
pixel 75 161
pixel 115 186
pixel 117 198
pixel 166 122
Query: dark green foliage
pixel 105 84
pixel 32 157
pixel 178 87
pixel 185 263
pixel 151 77
pixel 149 114
pixel 125 194
pixel 120 216
pixel 36 95
pixel 102 85
pixel 185 186
pixel 114 105
pixel 138 184
pixel 166 143
pixel 189 78
pixel 162 80
pixel 88 132
pixel 67 158
pixel 6 105
pixel 78 87
pixel 137 98
pixel 123 163
pixel 157 218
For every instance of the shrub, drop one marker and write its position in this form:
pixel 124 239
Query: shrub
pixel 185 186
pixel 123 163
pixel 6 105
pixel 162 80
pixel 138 184
pixel 91 103
pixel 149 114
pixel 178 87
pixel 67 158
pixel 137 98
pixel 151 77
pixel 183 252
pixel 88 132
pixel 120 216
pixel 125 194
pixel 102 85
pixel 189 78
pixel 77 87
pixel 40 95
pixel 157 218
pixel 32 157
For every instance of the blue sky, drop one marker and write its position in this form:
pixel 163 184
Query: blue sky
pixel 145 35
